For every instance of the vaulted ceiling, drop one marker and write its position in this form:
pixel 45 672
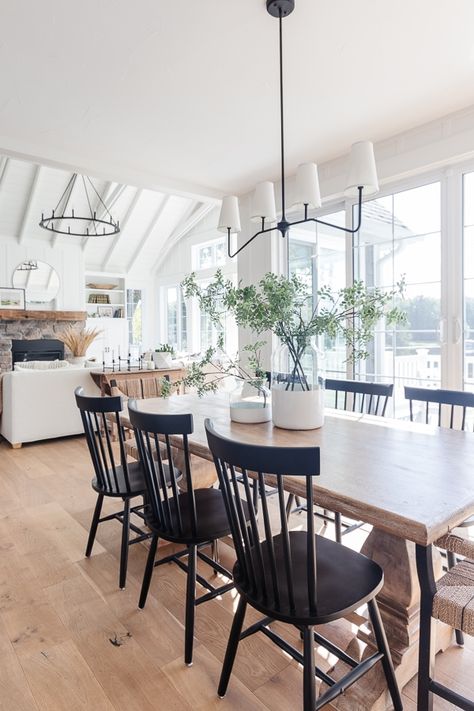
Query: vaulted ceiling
pixel 182 95
pixel 150 222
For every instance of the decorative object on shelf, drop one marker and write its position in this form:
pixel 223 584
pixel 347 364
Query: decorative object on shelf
pixel 362 177
pixel 29 265
pixel 118 312
pixel 105 311
pixel 64 223
pixel 78 342
pixel 99 299
pixel 106 287
pixel 163 356
pixel 284 307
pixel 12 298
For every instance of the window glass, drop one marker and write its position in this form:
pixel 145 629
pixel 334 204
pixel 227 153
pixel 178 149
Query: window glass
pixel 172 316
pixel 135 316
pixel 400 236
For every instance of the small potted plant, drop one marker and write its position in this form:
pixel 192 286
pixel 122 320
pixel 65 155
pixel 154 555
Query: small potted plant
pixel 163 356
pixel 77 342
pixel 283 307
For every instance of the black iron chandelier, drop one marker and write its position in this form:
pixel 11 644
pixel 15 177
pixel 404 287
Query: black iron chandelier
pixel 29 265
pixel 362 177
pixel 76 225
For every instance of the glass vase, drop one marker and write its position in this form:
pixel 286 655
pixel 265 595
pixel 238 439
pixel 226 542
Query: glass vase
pixel 250 401
pixel 297 387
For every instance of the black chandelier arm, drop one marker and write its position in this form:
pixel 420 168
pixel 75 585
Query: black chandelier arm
pixel 257 234
pixel 348 230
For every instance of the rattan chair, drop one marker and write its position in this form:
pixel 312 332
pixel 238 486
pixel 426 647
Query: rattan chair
pixel 294 577
pixel 451 600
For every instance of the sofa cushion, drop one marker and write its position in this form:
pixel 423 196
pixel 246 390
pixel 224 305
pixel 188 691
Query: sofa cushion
pixel 41 365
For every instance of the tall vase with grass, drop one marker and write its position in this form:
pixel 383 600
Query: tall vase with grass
pixel 283 307
pixel 77 343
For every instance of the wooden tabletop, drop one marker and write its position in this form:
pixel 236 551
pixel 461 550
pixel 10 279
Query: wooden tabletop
pixel 414 481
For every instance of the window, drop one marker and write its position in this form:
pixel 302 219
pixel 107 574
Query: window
pixel 317 255
pixel 468 249
pixel 176 319
pixel 135 316
pixel 401 236
pixel 209 255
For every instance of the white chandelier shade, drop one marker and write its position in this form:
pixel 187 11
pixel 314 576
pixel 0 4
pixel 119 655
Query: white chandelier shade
pixel 229 218
pixel 362 171
pixel 307 185
pixel 263 203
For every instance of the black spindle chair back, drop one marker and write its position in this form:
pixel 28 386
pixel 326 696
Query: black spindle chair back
pixel 98 414
pixel 265 568
pixel 359 396
pixel 174 513
pixel 456 403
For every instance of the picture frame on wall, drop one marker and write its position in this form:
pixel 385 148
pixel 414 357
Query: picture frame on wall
pixel 12 298
pixel 105 311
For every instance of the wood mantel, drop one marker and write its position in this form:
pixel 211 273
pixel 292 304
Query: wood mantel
pixel 17 314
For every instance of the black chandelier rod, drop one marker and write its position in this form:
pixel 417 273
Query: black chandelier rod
pixel 282 121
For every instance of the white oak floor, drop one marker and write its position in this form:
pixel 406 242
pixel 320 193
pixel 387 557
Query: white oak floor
pixel 71 640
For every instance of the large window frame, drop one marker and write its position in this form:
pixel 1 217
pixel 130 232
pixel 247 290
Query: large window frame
pixel 450 178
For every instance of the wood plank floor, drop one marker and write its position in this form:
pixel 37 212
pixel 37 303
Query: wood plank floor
pixel 71 640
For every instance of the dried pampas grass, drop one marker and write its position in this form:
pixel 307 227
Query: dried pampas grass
pixel 78 341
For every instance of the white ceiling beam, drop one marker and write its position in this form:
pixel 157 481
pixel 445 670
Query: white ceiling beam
pixel 123 225
pixel 151 227
pixel 4 160
pixel 29 203
pixel 182 230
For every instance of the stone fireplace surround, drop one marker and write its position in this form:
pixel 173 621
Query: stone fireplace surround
pixel 33 324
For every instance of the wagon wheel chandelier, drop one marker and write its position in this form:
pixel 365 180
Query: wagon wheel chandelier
pixel 64 223
pixel 362 177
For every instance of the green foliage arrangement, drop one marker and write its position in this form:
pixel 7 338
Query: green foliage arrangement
pixel 282 306
pixel 165 348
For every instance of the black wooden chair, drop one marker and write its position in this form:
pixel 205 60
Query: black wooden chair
pixel 449 599
pixel 114 475
pixel 294 577
pixel 449 405
pixel 353 396
pixel 194 518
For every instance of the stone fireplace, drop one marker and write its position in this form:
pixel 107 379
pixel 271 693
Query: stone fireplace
pixel 33 325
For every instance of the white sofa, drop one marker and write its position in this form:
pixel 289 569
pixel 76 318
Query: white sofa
pixel 40 404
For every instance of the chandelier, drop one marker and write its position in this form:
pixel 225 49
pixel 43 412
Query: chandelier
pixel 362 177
pixel 80 225
pixel 28 265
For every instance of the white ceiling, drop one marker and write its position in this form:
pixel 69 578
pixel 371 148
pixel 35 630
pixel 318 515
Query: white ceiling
pixel 184 94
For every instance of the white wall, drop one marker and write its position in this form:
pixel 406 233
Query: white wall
pixel 66 258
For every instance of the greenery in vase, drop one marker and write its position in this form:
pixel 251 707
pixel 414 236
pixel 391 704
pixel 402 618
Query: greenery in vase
pixel 284 307
pixel 165 348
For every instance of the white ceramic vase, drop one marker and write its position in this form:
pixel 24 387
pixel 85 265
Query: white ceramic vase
pixel 298 409
pixel 77 360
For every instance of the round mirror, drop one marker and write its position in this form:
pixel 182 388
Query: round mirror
pixel 40 282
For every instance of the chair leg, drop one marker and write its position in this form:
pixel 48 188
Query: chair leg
pixel 309 678
pixel 338 526
pixel 125 538
pixel 255 497
pixel 451 559
pixel 289 505
pixel 232 645
pixel 190 606
pixel 387 664
pixel 150 564
pixel 424 566
pixel 215 550
pixel 94 524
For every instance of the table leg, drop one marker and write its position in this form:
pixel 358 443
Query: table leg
pixel 399 606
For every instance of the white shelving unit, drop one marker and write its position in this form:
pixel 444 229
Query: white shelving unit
pixel 104 316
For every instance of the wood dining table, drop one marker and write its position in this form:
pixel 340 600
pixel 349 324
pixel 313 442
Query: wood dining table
pixel 411 482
